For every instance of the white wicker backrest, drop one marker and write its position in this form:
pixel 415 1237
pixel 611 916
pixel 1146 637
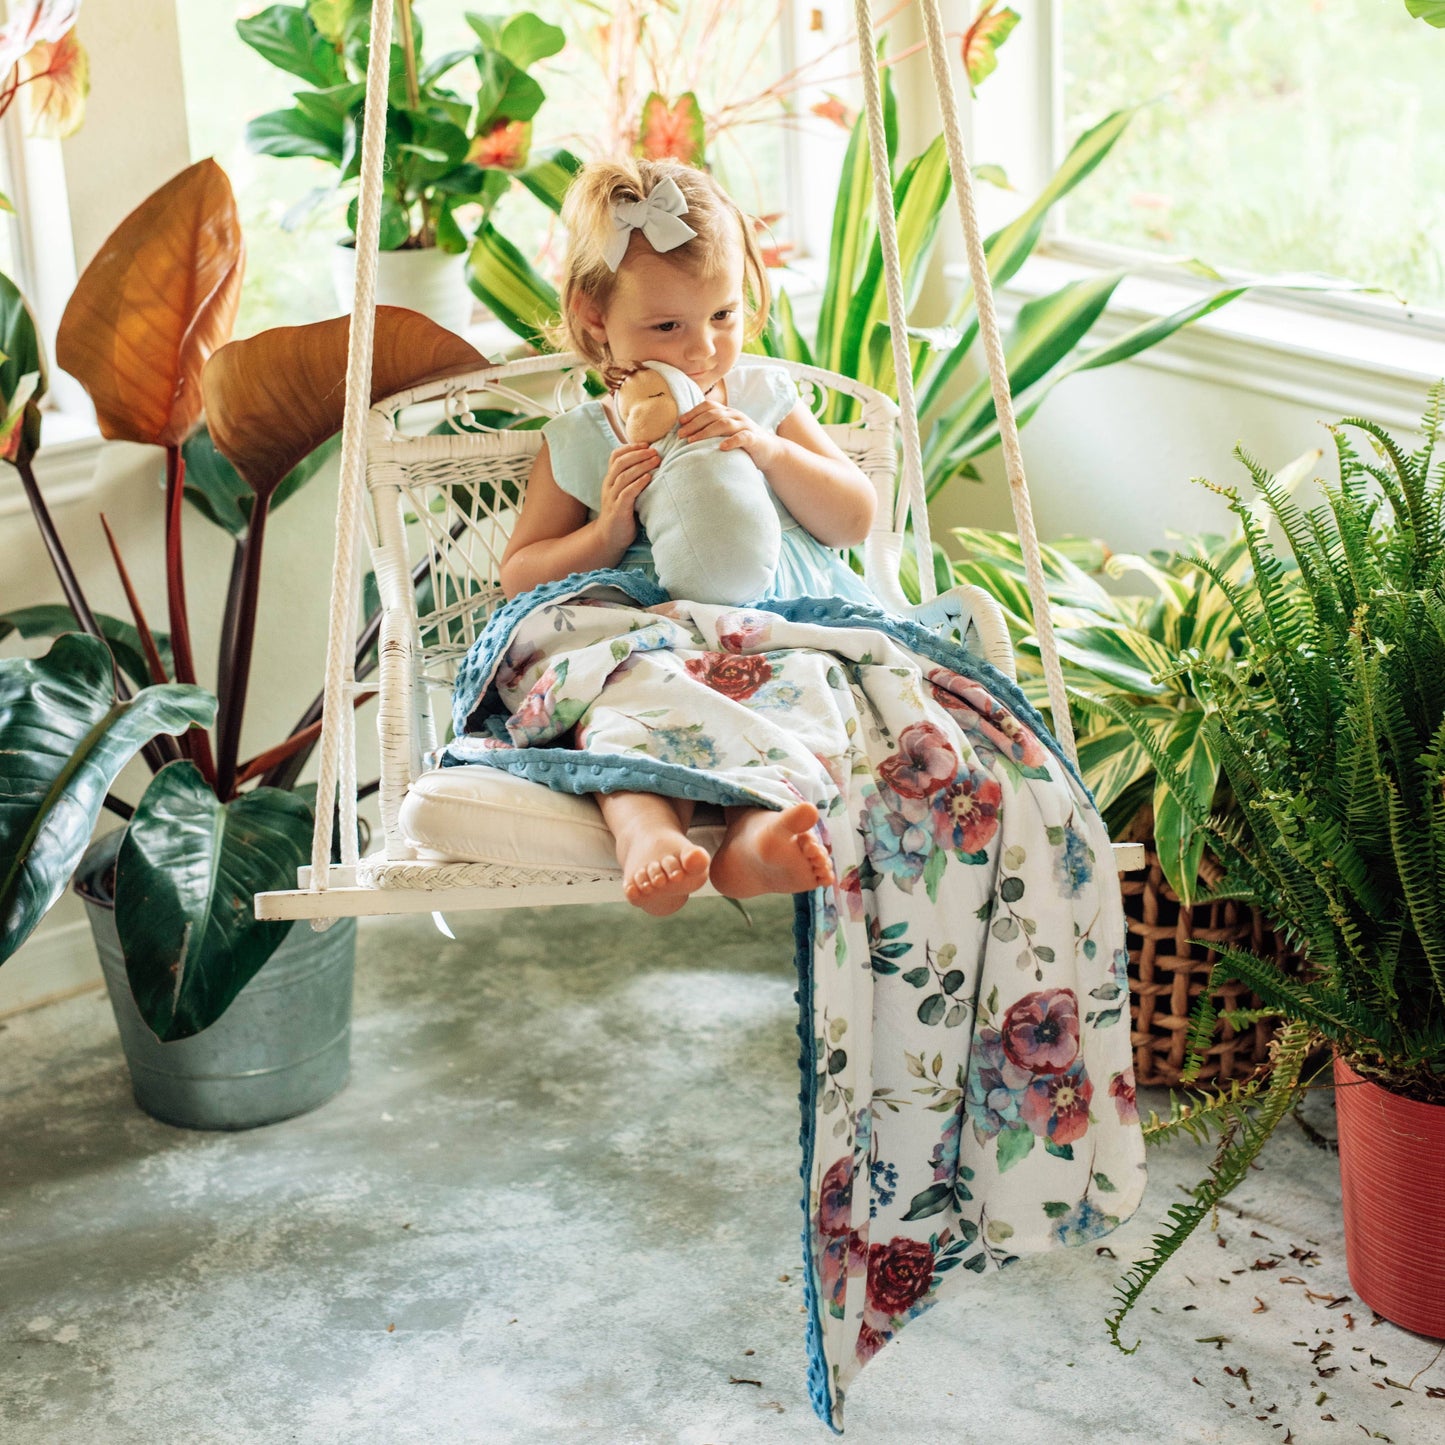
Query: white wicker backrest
pixel 446 502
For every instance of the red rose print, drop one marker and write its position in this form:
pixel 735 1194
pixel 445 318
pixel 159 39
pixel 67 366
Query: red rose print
pixel 738 631
pixel 734 677
pixel 899 1274
pixel 1041 1031
pixel 923 763
pixel 836 1198
pixel 978 712
pixel 1121 1089
pixel 870 1341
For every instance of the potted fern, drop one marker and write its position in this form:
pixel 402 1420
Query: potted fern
pixel 1331 730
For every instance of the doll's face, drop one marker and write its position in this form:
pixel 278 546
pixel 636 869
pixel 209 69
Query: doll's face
pixel 646 406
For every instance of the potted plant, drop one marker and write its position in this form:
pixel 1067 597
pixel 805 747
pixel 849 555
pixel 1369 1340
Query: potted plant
pixel 1119 654
pixel 1331 730
pixel 173 915
pixel 450 157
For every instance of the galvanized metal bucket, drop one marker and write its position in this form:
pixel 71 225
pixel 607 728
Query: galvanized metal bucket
pixel 282 1048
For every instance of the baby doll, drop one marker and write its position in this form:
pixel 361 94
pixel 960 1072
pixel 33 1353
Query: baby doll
pixel 698 495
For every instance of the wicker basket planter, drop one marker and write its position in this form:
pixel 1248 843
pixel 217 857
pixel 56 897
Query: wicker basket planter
pixel 1171 952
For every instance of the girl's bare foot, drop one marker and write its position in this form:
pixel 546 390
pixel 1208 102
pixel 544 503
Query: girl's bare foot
pixel 767 852
pixel 660 867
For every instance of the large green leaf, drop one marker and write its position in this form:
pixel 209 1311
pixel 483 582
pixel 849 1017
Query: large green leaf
pixel 501 277
pixel 187 874
pixel 22 375
pixel 548 175
pixel 51 619
pixel 287 37
pixel 1109 761
pixel 64 738
pixel 219 494
pixel 291 132
pixel 1119 656
pixel 1180 845
pixel 1432 12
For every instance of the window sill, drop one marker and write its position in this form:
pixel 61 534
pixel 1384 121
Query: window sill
pixel 1342 365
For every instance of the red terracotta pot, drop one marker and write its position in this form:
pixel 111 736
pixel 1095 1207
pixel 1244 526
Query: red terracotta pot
pixel 1392 1169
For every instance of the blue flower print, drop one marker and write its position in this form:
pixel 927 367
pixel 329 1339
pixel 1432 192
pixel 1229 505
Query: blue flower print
pixel 1073 868
pixel 895 842
pixel 686 746
pixel 1085 1221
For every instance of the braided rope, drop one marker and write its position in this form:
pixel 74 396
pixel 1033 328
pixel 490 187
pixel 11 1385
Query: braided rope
pixel 340 641
pixel 911 489
pixel 998 375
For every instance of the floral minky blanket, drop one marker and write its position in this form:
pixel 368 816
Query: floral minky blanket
pixel 967 1095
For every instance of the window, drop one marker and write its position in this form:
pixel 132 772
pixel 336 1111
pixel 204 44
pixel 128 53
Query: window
pixel 1294 136
pixel 748 45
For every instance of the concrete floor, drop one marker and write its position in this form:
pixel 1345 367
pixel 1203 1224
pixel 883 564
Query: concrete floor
pixel 558 1202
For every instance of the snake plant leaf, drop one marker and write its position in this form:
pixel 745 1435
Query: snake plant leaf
pixel 275 397
pixel 22 376
pixel 187 873
pixel 64 738
pixel 1047 330
pixel 157 300
pixel 502 278
pixel 852 229
pixel 1180 844
pixel 52 619
pixel 918 201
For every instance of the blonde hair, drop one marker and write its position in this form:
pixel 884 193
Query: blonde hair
pixel 587 214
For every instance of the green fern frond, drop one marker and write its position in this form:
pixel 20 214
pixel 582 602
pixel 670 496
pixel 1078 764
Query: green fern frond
pixel 1241 1145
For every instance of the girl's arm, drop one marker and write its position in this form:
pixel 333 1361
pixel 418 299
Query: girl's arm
pixel 552 537
pixel 812 476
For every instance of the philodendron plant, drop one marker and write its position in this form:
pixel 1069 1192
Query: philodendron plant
pixel 450 156
pixel 1120 656
pixel 213 827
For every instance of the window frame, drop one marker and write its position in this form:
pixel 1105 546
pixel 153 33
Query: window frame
pixel 1037 65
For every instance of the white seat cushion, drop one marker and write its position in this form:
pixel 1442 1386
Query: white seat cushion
pixel 485 815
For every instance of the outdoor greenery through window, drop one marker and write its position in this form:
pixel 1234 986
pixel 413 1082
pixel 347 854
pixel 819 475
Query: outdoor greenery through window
pixel 288 242
pixel 1298 135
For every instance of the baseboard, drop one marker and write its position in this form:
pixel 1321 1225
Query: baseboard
pixel 57 963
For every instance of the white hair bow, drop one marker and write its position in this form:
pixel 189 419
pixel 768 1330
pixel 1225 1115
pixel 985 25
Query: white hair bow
pixel 656 217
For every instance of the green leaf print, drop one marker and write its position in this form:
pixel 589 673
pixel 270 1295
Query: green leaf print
pixel 1014 857
pixel 1014 1144
pixel 1059 1151
pixel 1005 929
pixel 620 649
pixel 1056 1208
pixel 952 981
pixel 977 1264
pixel 933 872
pixel 1011 889
pixel 567 713
pixel 1056 836
pixel 933 1200
pixel 1104 1184
pixel 932 1009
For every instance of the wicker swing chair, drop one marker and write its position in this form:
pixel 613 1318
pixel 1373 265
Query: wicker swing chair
pixel 442 506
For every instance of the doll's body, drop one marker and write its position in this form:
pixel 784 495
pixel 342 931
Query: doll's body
pixel 714 530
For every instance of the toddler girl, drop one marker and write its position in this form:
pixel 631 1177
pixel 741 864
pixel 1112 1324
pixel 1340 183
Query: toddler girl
pixel 663 266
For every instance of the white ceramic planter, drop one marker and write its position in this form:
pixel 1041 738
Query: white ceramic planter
pixel 429 281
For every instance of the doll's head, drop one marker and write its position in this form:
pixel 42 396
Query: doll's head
pixel 646 405
pixel 630 255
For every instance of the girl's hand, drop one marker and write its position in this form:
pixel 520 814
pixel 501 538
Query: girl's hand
pixel 629 470
pixel 712 419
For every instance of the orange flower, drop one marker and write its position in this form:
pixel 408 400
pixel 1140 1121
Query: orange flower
pixel 833 109
pixel 502 146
